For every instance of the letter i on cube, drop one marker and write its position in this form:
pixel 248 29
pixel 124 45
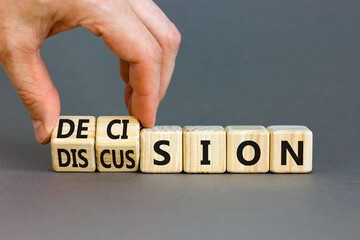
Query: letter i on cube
pixel 204 149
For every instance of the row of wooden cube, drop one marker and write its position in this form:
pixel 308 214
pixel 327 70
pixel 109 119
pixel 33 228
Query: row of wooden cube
pixel 116 144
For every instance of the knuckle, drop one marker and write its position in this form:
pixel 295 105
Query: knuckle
pixel 14 50
pixel 173 39
pixel 29 98
pixel 155 51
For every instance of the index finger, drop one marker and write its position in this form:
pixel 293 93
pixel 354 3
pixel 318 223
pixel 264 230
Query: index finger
pixel 131 41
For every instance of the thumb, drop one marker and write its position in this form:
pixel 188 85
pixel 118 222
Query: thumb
pixel 32 82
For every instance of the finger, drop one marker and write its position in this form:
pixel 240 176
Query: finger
pixel 131 41
pixel 145 98
pixel 165 33
pixel 32 82
pixel 124 70
pixel 127 95
pixel 129 108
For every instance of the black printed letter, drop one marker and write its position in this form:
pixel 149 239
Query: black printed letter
pixel 86 162
pixel 81 128
pixel 121 164
pixel 109 129
pixel 163 153
pixel 240 155
pixel 61 124
pixel 61 164
pixel 205 144
pixel 125 125
pixel 102 158
pixel 130 159
pixel 286 146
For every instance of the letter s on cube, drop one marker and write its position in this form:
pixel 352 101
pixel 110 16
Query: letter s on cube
pixel 161 149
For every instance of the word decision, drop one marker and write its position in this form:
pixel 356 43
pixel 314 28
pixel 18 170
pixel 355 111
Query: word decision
pixel 116 144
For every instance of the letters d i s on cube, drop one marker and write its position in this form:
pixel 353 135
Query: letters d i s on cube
pixel 116 144
pixel 72 144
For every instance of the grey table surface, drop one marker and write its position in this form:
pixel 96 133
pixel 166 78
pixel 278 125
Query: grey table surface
pixel 240 62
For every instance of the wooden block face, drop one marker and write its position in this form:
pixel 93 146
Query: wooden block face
pixel 290 149
pixel 247 149
pixel 204 149
pixel 117 144
pixel 161 149
pixel 72 144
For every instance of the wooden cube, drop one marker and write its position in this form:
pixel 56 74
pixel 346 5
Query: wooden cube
pixel 161 149
pixel 290 149
pixel 72 144
pixel 204 149
pixel 247 149
pixel 117 144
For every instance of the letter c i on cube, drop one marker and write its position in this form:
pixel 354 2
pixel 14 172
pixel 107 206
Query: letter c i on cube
pixel 117 144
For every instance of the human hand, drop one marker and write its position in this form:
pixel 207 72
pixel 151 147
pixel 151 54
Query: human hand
pixel 137 31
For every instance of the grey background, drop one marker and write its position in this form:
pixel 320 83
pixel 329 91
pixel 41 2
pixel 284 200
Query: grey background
pixel 240 62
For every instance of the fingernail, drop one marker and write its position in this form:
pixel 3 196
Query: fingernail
pixel 40 132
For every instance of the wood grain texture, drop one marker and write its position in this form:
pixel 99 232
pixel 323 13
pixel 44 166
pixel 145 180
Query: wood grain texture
pixel 294 135
pixel 236 135
pixel 118 154
pixel 193 149
pixel 77 154
pixel 150 156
